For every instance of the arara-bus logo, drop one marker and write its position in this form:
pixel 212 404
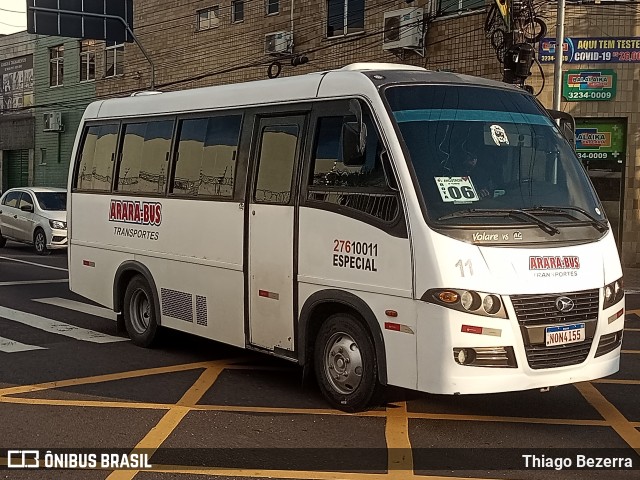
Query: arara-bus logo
pixel 129 211
pixel 554 263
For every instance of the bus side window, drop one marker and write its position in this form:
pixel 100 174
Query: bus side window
pixel 95 169
pixel 145 157
pixel 364 187
pixel 205 164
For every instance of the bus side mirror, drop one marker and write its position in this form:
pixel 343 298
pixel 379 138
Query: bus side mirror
pixel 567 125
pixel 352 149
pixel 354 137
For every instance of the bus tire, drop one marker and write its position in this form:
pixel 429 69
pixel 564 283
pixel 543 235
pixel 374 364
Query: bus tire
pixel 139 312
pixel 345 363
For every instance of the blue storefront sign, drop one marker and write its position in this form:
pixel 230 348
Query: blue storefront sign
pixel 592 50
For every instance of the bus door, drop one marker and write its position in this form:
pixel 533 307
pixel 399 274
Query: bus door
pixel 271 232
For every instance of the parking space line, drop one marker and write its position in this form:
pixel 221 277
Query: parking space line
pixel 11 346
pixel 616 381
pixel 34 264
pixel 611 414
pixel 33 282
pixel 103 378
pixel 486 418
pixel 170 421
pixel 400 455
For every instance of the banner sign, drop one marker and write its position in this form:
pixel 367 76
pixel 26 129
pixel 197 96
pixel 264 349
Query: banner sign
pixel 600 141
pixel 582 85
pixel 16 79
pixel 592 50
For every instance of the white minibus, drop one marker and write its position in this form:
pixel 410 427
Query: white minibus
pixel 382 224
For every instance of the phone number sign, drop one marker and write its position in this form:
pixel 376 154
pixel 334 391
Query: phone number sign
pixel 594 85
pixel 592 50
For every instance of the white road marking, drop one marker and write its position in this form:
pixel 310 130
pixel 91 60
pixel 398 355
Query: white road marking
pixel 30 282
pixel 34 263
pixel 79 307
pixel 60 328
pixel 11 346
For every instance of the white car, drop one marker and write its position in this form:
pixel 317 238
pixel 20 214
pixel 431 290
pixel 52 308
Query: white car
pixel 34 215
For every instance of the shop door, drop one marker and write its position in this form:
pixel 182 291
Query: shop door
pixel 17 168
pixel 601 145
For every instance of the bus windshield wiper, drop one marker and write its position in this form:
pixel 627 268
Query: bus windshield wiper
pixel 597 224
pixel 503 212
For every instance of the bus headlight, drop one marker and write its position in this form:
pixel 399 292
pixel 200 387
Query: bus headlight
pixel 613 293
pixel 468 301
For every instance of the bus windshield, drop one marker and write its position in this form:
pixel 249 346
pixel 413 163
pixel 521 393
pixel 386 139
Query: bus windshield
pixel 487 156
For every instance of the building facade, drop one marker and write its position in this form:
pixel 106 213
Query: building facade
pixel 17 141
pixel 210 42
pixel 65 73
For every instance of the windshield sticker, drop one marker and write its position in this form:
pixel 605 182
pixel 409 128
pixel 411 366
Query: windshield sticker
pixel 456 189
pixel 499 135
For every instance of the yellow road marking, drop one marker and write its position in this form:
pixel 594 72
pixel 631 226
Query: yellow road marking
pixel 104 378
pixel 399 456
pixel 636 311
pixel 633 352
pixel 483 418
pixel 170 421
pixel 611 414
pixel 294 474
pixel 86 403
pixel 632 329
pixel 616 381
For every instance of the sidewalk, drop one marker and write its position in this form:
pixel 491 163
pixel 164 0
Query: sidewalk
pixel 631 279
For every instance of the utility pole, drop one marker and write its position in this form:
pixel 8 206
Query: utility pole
pixel 557 72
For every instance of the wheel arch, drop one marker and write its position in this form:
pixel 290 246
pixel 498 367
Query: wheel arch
pixel 320 305
pixel 125 272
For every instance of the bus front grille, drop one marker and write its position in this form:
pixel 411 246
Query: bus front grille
pixel 536 312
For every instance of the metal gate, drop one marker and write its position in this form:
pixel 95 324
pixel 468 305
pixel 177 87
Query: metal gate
pixel 17 168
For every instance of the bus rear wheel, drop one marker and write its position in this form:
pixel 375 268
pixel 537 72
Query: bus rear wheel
pixel 345 363
pixel 139 312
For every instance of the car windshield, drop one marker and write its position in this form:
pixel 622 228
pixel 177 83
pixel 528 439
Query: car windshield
pixel 486 155
pixel 52 200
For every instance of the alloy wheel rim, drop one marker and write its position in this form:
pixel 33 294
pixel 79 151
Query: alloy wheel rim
pixel 343 363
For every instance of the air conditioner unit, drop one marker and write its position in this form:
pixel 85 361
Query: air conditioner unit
pixel 403 28
pixel 278 43
pixel 53 122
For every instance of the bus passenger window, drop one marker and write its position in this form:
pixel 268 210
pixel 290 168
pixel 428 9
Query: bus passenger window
pixel 145 155
pixel 95 169
pixel 364 187
pixel 206 160
pixel 276 164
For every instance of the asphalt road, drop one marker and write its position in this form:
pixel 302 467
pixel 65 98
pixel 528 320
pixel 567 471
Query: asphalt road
pixel 72 385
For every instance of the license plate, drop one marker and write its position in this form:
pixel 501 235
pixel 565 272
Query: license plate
pixel 564 334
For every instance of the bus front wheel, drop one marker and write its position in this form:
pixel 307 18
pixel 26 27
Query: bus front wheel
pixel 345 363
pixel 139 312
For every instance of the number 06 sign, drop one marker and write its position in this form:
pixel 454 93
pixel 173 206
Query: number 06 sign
pixel 456 189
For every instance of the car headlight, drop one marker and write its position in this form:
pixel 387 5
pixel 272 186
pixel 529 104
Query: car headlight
pixel 57 224
pixel 613 293
pixel 468 301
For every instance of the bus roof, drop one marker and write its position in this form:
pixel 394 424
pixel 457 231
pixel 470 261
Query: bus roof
pixel 355 79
